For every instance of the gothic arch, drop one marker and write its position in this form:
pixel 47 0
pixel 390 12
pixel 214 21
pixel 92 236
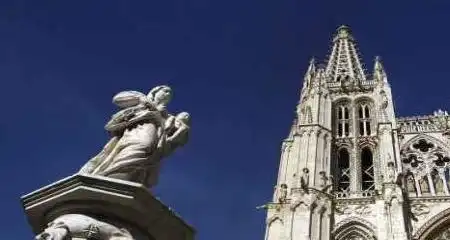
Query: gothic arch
pixel 424 150
pixel 342 115
pixel 274 226
pixel 273 219
pixel 354 227
pixel 343 172
pixel 365 115
pixel 424 137
pixel 301 203
pixel 366 162
pixel 364 99
pixel 342 100
pixel 434 227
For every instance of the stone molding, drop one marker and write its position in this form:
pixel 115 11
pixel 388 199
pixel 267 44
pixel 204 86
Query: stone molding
pixel 430 225
pixel 126 202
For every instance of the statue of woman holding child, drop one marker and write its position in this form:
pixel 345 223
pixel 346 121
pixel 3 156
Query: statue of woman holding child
pixel 143 133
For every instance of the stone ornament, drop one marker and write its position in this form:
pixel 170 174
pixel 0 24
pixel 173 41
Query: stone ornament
pixel 282 193
pixel 143 133
pixel 390 177
pixel 362 209
pixel 347 209
pixel 304 180
pixel 419 209
pixel 442 119
pixel 71 226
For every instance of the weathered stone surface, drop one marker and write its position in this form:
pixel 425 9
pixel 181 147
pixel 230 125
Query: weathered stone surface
pixel 350 169
pixel 113 203
pixel 143 133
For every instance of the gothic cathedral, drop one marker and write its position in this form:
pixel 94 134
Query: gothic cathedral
pixel 350 169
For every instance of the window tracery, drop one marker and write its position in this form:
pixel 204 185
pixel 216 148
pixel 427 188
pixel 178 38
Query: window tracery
pixel 354 230
pixel 367 171
pixel 343 120
pixel 427 164
pixel 364 120
pixel 344 168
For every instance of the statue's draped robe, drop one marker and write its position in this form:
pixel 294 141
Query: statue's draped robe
pixel 135 153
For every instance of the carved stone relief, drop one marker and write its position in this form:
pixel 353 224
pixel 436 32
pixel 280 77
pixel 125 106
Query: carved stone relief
pixel 346 209
pixel 81 226
pixel 425 162
pixel 420 209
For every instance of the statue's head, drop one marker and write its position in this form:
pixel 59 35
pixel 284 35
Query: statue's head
pixel 160 94
pixel 185 117
pixel 390 164
pixel 283 185
pixel 305 170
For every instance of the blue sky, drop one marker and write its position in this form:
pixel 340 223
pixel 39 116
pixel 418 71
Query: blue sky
pixel 235 65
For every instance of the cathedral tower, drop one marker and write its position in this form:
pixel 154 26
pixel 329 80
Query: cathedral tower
pixel 341 173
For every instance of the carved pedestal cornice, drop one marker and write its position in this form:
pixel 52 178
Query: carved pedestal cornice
pixel 107 203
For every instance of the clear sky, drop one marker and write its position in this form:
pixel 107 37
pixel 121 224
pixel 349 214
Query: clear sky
pixel 235 65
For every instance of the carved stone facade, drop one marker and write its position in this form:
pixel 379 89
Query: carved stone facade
pixel 350 169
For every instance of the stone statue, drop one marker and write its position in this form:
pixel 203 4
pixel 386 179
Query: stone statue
pixel 390 175
pixel 330 186
pixel 78 226
pixel 323 180
pixel 442 121
pixel 384 105
pixel 437 182
pixel 410 183
pixel 143 132
pixel 424 187
pixel 282 193
pixel 304 181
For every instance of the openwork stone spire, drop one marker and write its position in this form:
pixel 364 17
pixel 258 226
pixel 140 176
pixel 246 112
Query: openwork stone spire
pixel 344 61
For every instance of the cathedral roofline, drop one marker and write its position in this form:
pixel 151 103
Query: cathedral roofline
pixel 423 117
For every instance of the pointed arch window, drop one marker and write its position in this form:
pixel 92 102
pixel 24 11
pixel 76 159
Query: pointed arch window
pixel 364 120
pixel 367 171
pixel 344 168
pixel 343 121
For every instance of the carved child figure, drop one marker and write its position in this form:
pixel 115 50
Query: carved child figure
pixel 177 128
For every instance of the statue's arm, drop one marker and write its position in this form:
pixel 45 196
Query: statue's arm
pixel 169 122
pixel 180 134
pixel 127 99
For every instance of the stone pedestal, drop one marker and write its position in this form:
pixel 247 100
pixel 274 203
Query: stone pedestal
pixel 114 203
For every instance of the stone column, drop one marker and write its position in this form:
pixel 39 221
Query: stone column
pixel 444 182
pixel 418 189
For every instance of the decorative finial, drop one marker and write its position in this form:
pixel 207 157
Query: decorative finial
pixel 377 59
pixel 311 67
pixel 343 32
